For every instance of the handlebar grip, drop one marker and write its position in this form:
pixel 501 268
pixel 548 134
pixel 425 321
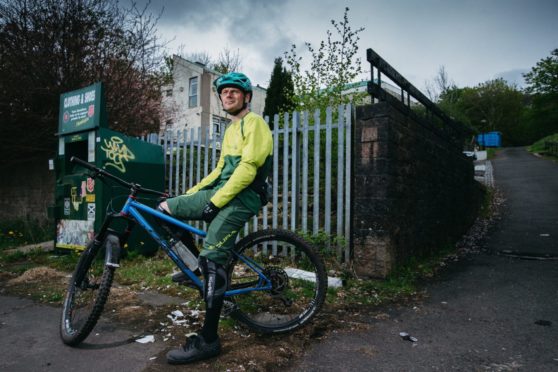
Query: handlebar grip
pixel 85 164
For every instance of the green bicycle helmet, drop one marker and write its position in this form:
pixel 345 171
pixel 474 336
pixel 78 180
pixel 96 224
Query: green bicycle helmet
pixel 233 79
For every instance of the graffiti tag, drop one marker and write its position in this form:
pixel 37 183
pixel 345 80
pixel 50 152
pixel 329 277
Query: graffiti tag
pixel 117 153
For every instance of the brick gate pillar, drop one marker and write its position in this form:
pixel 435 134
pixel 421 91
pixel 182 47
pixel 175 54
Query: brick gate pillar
pixel 370 202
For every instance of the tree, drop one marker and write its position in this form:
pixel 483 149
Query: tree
pixel 543 78
pixel 280 92
pixel 48 47
pixel 440 85
pixel 333 65
pixel 542 111
pixel 491 106
pixel 202 57
pixel 495 105
pixel 227 61
pixel 449 101
pixel 541 117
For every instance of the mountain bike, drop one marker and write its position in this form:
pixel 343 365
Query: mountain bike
pixel 277 280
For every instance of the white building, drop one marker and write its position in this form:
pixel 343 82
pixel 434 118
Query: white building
pixel 192 102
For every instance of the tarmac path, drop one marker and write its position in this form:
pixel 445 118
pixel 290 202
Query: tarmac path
pixel 490 312
pixel 30 341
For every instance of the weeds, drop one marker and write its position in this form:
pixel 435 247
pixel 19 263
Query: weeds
pixel 402 284
pixel 146 271
pixel 154 273
pixel 18 262
pixel 22 232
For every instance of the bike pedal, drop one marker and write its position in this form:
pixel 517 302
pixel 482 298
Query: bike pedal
pixel 183 279
pixel 180 277
pixel 229 307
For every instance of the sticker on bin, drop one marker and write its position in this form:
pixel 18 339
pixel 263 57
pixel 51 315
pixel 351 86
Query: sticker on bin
pixel 91 211
pixel 66 206
pixel 311 277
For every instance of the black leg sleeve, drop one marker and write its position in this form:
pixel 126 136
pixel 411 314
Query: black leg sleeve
pixel 215 285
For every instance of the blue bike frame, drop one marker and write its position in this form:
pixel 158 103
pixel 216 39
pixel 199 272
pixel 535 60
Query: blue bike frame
pixel 132 208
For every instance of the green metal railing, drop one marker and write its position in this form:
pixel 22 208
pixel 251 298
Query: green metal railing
pixel 551 148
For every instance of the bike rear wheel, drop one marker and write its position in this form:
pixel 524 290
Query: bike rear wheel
pixel 87 292
pixel 297 276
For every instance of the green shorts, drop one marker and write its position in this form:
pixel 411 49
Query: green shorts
pixel 222 231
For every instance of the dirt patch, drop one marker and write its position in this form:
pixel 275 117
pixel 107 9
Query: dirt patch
pixel 247 351
pixel 122 296
pixel 39 274
pixel 244 350
pixel 42 283
pixel 5 276
pixel 125 307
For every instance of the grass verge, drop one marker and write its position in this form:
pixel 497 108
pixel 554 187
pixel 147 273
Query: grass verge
pixel 539 146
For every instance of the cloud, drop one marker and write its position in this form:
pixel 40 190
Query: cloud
pixel 238 14
pixel 257 29
pixel 475 40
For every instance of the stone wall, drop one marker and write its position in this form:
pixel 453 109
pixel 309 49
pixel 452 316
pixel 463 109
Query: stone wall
pixel 27 190
pixel 413 190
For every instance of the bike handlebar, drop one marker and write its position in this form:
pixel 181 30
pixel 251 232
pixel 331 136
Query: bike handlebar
pixel 104 173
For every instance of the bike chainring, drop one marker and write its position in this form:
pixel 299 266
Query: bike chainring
pixel 278 277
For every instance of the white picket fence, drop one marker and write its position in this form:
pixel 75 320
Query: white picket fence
pixel 311 172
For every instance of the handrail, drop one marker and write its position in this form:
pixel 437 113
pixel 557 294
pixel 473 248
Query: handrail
pixel 375 89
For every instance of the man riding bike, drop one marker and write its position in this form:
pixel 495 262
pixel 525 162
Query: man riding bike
pixel 226 199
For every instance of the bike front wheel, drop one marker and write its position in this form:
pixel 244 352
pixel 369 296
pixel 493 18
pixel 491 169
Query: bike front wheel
pixel 87 292
pixel 293 272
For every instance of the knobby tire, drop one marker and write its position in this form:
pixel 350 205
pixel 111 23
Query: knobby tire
pixel 87 293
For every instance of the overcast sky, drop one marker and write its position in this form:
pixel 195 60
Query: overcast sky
pixel 475 40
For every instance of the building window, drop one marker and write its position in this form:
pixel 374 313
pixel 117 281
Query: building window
pixel 193 92
pixel 219 125
pixel 169 123
pixel 168 92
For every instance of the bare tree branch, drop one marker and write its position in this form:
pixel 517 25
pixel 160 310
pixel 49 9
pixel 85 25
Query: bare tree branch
pixel 48 47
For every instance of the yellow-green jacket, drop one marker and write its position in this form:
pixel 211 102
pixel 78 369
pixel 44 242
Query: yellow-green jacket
pixel 244 164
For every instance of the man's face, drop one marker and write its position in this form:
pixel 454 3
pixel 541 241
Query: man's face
pixel 232 98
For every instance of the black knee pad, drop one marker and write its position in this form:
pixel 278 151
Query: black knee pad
pixel 215 282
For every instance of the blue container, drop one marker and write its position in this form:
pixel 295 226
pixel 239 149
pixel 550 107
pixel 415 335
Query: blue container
pixel 490 139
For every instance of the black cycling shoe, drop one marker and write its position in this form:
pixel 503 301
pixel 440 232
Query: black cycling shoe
pixel 195 349
pixel 181 278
